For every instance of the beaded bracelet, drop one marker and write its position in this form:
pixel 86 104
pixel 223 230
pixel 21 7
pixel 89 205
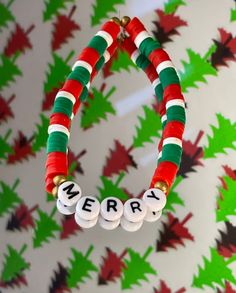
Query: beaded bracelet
pixel 147 54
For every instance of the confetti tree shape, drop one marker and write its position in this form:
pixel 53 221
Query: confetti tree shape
pixel 223 137
pixel 101 10
pixel 75 159
pixel 215 271
pixel 171 5
pixel 5 109
pixel 136 269
pixel 225 49
pixel 165 289
pixel 225 200
pixel 122 62
pixel 52 8
pixel 150 126
pixel 58 282
pixel 8 197
pixel 195 70
pixel 6 148
pixel 81 268
pixel 233 14
pixel 226 246
pixel 6 15
pixel 19 41
pixel 112 189
pixel 21 218
pixel 69 227
pixel 8 70
pixel 227 289
pixel 118 161
pixel 167 26
pixel 22 149
pixel 96 108
pixel 14 264
pixel 111 267
pixel 45 228
pixel 174 233
pixel 63 29
pixel 56 76
pixel 41 135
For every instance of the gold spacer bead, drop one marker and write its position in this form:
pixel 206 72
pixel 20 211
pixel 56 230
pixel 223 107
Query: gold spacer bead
pixel 124 21
pixel 162 186
pixel 54 191
pixel 116 20
pixel 57 180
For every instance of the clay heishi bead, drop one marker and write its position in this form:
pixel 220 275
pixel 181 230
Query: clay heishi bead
pixel 108 225
pixel 152 216
pixel 88 208
pixel 155 199
pixel 65 210
pixel 111 208
pixel 69 193
pixel 135 210
pixel 85 224
pixel 130 226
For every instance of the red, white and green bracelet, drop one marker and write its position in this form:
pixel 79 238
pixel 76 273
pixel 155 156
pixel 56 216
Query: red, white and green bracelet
pixel 147 54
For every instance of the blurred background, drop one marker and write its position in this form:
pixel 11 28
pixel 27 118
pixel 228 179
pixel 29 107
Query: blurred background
pixel 113 150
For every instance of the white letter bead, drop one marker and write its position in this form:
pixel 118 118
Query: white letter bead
pixel 111 208
pixel 155 199
pixel 130 226
pixel 69 193
pixel 88 208
pixel 65 210
pixel 135 210
pixel 152 216
pixel 84 223
pixel 108 225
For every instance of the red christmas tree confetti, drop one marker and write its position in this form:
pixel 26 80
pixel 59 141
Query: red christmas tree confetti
pixel 58 282
pixel 69 227
pixel 228 289
pixel 165 289
pixel 226 246
pixel 5 109
pixel 72 158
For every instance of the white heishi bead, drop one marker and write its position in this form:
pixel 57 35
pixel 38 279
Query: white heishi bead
pixel 69 193
pixel 65 210
pixel 108 225
pixel 111 208
pixel 130 226
pixel 135 210
pixel 85 224
pixel 155 199
pixel 88 208
pixel 152 216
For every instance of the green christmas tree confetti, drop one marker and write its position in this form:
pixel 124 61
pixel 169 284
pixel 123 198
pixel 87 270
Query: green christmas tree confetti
pixel 41 135
pixel 150 126
pixel 171 5
pixel 226 201
pixel 8 71
pixel 123 62
pixel 5 146
pixel 81 267
pixel 101 10
pixel 196 70
pixel 223 137
pixel 97 108
pixel 112 189
pixel 233 14
pixel 136 269
pixel 45 228
pixel 215 271
pixel 53 7
pixel 6 15
pixel 14 264
pixel 8 197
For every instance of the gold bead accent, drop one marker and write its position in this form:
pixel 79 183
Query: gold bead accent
pixel 124 21
pixel 54 191
pixel 162 186
pixel 116 20
pixel 57 180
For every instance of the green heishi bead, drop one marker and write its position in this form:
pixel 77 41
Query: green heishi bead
pixel 148 45
pixel 142 62
pixel 176 113
pixel 80 74
pixel 159 92
pixel 100 63
pixel 164 124
pixel 57 142
pixel 172 153
pixel 168 76
pixel 84 94
pixel 99 44
pixel 63 105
